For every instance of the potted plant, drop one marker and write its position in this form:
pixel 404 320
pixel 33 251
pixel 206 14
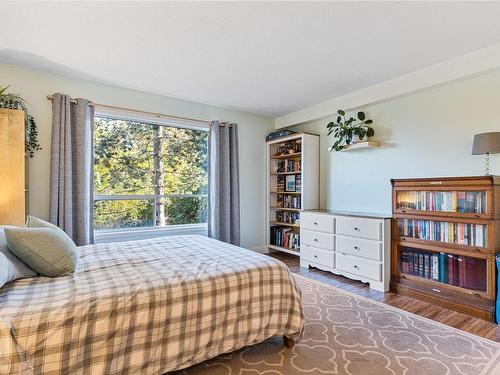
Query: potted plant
pixel 13 101
pixel 349 131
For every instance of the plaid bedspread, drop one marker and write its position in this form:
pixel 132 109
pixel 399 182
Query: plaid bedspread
pixel 146 307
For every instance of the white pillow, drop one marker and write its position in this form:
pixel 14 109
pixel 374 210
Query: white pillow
pixel 11 267
pixel 7 270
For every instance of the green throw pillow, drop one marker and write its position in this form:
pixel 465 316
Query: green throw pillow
pixel 35 222
pixel 47 250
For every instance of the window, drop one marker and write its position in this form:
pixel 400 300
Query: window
pixel 148 175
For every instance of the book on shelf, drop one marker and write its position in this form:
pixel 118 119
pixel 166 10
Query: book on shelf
pixel 280 183
pixel 427 265
pixel 443 267
pixel 449 201
pixel 285 237
pixel 435 267
pixel 462 271
pixel 442 231
pixel 298 183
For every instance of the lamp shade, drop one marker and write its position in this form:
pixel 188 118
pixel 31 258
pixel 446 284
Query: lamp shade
pixel 486 143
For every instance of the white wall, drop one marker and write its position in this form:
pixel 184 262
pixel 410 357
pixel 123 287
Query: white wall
pixel 35 85
pixel 424 134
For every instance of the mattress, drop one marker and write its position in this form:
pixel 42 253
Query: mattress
pixel 146 307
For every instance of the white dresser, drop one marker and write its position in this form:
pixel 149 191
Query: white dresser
pixel 350 244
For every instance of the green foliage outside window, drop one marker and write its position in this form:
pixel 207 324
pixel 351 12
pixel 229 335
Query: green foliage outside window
pixel 133 158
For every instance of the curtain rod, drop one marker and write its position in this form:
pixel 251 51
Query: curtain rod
pixel 173 117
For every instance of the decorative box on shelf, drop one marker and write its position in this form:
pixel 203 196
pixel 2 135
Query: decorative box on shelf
pixel 292 186
pixel 445 237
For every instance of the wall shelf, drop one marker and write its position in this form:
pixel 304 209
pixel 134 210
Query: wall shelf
pixel 361 145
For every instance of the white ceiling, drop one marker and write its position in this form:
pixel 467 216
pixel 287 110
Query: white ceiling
pixel 270 58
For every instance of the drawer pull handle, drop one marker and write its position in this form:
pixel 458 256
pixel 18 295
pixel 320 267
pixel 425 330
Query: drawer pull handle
pixel 356 228
pixel 355 266
pixel 477 250
pixel 316 240
pixel 436 290
pixel 315 256
pixel 356 248
pixel 315 223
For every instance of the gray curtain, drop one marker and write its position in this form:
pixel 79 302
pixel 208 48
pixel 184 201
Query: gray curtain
pixel 71 168
pixel 223 183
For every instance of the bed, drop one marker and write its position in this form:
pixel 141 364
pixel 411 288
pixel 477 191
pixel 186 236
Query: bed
pixel 146 307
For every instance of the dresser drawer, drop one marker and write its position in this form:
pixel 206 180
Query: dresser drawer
pixel 317 239
pixel 318 256
pixel 359 227
pixel 359 247
pixel 358 266
pixel 323 223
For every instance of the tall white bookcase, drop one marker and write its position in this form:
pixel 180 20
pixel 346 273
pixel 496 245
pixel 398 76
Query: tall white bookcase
pixel 278 199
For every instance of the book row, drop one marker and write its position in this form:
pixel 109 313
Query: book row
pixel 282 166
pixel 465 272
pixel 285 237
pixel 450 201
pixel 288 217
pixel 288 201
pixel 458 233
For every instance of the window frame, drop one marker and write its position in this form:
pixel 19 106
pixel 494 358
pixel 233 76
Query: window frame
pixel 135 233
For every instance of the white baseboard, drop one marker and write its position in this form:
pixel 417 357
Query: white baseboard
pixel 260 249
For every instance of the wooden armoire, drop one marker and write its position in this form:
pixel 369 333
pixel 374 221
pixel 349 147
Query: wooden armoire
pixel 12 168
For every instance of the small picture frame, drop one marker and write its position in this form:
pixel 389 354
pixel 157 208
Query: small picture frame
pixel 290 183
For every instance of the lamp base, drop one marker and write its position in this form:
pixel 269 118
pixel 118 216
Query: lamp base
pixel 487 164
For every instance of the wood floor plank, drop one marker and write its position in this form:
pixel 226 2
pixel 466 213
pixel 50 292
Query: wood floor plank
pixel 451 318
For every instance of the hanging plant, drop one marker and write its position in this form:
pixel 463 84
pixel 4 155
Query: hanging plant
pixel 13 101
pixel 346 131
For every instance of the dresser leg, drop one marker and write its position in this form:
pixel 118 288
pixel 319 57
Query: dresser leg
pixel 288 342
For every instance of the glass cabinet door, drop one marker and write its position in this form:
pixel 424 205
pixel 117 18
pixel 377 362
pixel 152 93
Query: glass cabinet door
pixel 462 271
pixel 444 231
pixel 442 201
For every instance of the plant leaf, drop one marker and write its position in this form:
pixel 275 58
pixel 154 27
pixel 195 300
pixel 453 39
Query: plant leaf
pixel 369 122
pixel 3 89
pixel 339 119
pixel 370 132
pixel 361 116
pixel 341 112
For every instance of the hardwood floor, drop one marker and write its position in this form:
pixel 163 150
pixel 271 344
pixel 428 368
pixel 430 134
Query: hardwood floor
pixel 451 318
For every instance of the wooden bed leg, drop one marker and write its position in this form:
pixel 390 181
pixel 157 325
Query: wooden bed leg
pixel 288 342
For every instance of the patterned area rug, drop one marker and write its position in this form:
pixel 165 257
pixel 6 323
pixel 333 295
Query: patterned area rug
pixel 353 335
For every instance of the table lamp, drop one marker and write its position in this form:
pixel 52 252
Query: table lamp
pixel 486 144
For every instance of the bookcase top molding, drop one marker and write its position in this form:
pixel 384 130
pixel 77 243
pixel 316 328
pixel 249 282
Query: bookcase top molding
pixel 491 179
